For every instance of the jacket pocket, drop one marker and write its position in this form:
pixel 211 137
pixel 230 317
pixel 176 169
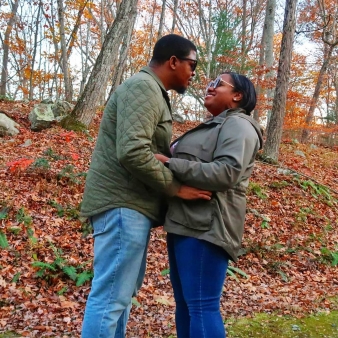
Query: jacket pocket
pixel 197 214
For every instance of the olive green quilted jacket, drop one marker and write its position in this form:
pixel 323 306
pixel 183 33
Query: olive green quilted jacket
pixel 124 172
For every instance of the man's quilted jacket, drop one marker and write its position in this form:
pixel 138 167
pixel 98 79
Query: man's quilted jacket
pixel 124 172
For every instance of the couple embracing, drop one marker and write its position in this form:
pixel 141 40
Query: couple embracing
pixel 195 187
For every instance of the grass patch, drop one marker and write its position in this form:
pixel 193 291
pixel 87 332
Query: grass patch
pixel 267 326
pixel 9 335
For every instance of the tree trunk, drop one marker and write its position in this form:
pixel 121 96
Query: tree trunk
pixel 118 71
pixel 266 54
pixel 76 28
pixel 269 56
pixel 151 31
pixel 174 17
pixel 315 97
pixel 330 39
pixel 31 77
pixel 160 28
pixel 275 126
pixel 336 101
pixel 64 63
pixel 5 47
pixel 87 104
pixel 243 37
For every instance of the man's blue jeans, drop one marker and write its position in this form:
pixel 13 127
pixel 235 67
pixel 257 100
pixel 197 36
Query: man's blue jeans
pixel 197 273
pixel 121 239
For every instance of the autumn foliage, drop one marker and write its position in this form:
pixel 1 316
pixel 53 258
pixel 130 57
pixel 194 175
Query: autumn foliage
pixel 290 253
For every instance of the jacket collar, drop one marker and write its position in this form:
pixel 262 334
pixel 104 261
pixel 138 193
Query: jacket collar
pixel 219 118
pixel 149 71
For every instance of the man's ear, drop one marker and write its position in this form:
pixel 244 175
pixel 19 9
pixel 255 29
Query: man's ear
pixel 238 96
pixel 173 62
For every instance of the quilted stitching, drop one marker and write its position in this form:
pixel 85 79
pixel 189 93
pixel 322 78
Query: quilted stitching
pixel 136 113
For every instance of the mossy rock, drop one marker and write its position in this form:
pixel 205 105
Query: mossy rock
pixel 71 123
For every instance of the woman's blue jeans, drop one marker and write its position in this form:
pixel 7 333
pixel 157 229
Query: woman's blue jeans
pixel 197 273
pixel 121 239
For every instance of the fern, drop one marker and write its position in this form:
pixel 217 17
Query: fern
pixel 44 266
pixel 70 271
pixel 3 240
pixel 232 270
pixel 84 277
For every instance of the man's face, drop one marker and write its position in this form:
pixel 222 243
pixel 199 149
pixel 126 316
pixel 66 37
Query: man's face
pixel 185 71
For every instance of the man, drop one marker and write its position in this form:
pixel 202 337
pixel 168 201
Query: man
pixel 126 185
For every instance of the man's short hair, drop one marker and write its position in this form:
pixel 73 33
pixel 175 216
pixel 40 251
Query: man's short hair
pixel 170 45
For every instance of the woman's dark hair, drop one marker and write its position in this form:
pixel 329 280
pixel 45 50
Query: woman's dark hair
pixel 170 45
pixel 245 86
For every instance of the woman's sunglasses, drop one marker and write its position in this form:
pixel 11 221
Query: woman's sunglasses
pixel 216 83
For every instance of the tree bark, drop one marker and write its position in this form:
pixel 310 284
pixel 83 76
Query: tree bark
pixel 31 77
pixel 160 27
pixel 336 101
pixel 174 17
pixel 275 126
pixel 87 104
pixel 5 47
pixel 64 63
pixel 243 37
pixel 315 97
pixel 73 35
pixel 117 75
pixel 330 39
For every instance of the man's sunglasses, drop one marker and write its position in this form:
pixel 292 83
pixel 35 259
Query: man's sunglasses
pixel 193 63
pixel 217 82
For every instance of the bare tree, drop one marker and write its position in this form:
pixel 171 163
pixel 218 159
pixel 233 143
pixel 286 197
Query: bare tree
pixel 31 77
pixel 64 63
pixel 5 47
pixel 85 108
pixel 336 90
pixel 174 16
pixel 160 27
pixel 275 126
pixel 266 58
pixel 330 39
pixel 117 75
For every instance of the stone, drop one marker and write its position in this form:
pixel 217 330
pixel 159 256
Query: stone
pixel 41 116
pixel 62 109
pixel 8 127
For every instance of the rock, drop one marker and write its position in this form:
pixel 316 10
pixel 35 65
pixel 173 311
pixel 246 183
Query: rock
pixel 61 109
pixel 300 153
pixel 47 101
pixel 8 127
pixel 41 116
pixel 27 143
pixel 45 114
pixel 282 171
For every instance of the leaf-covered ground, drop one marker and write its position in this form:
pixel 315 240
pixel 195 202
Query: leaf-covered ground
pixel 290 248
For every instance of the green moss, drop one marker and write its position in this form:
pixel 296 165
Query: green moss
pixel 9 335
pixel 70 123
pixel 268 326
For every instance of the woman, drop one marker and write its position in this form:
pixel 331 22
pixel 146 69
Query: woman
pixel 218 156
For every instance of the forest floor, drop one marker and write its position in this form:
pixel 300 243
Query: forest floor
pixel 288 266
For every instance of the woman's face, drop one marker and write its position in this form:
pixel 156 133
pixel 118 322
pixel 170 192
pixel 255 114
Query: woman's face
pixel 221 95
